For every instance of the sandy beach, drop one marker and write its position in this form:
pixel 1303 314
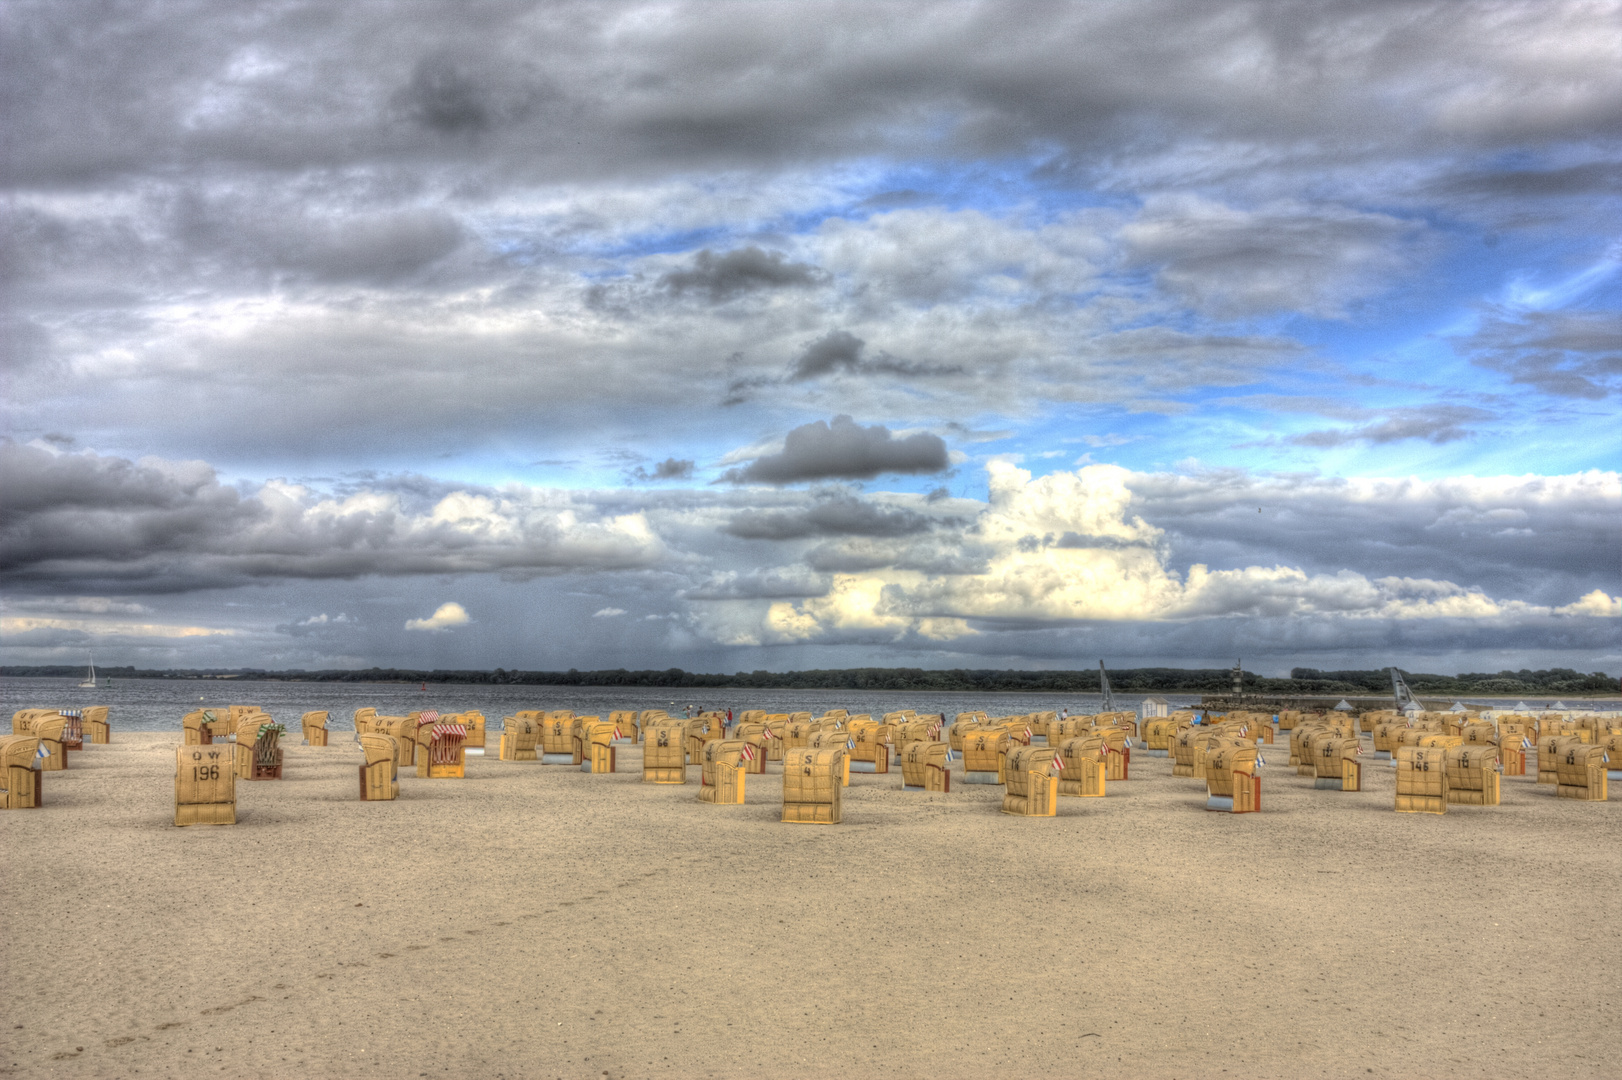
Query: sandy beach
pixel 534 921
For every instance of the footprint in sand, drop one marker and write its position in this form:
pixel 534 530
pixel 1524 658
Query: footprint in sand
pixel 249 1000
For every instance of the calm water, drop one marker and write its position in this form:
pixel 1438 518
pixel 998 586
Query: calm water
pixel 158 704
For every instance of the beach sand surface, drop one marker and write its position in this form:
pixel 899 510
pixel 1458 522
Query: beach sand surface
pixel 535 921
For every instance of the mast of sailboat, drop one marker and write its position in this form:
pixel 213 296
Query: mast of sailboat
pixel 1399 691
pixel 90 678
pixel 1108 704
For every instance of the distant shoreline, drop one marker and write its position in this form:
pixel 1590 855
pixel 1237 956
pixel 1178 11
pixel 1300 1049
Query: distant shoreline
pixel 1559 683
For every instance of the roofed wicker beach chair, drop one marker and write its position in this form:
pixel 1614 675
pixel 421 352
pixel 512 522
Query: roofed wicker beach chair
pixel 49 731
pixel 24 785
pixel 258 750
pixel 314 725
pixel 205 785
pixel 441 744
pixel 380 772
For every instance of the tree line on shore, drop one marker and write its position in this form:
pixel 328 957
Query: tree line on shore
pixel 1126 680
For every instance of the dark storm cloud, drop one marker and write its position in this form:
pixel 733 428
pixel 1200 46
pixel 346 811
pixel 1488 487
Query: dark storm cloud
pixel 668 469
pixel 161 526
pixel 841 351
pixel 844 450
pixel 1546 540
pixel 444 97
pixel 837 350
pixel 749 269
pixel 836 515
pixel 1571 354
pixel 1437 425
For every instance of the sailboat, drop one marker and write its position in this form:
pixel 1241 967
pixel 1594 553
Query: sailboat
pixel 1400 693
pixel 90 678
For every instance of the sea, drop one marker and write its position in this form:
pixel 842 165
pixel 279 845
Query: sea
pixel 158 704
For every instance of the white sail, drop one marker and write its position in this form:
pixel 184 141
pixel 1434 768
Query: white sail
pixel 90 678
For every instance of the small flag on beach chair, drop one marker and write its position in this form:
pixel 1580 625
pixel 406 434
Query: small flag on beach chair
pixel 42 752
pixel 1058 762
pixel 748 752
pixel 617 735
pixel 429 717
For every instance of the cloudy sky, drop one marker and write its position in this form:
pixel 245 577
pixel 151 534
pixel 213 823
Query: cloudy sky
pixel 733 336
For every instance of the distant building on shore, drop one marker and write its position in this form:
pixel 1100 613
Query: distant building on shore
pixel 1155 706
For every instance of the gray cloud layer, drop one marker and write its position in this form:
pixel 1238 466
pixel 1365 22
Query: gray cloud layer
pixel 1468 563
pixel 173 525
pixel 589 87
pixel 419 214
pixel 1574 354
pixel 494 238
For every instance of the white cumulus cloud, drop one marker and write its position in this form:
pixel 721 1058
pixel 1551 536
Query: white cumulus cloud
pixel 446 616
pixel 1068 547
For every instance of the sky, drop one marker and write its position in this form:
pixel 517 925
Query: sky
pixel 740 336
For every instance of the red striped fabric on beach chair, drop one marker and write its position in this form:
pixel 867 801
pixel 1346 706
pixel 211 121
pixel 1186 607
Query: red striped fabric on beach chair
pixel 445 743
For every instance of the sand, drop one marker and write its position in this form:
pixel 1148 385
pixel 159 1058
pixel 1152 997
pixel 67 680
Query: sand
pixel 534 921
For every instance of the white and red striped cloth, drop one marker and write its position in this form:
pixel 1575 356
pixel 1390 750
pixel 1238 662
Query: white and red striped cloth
pixel 443 730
